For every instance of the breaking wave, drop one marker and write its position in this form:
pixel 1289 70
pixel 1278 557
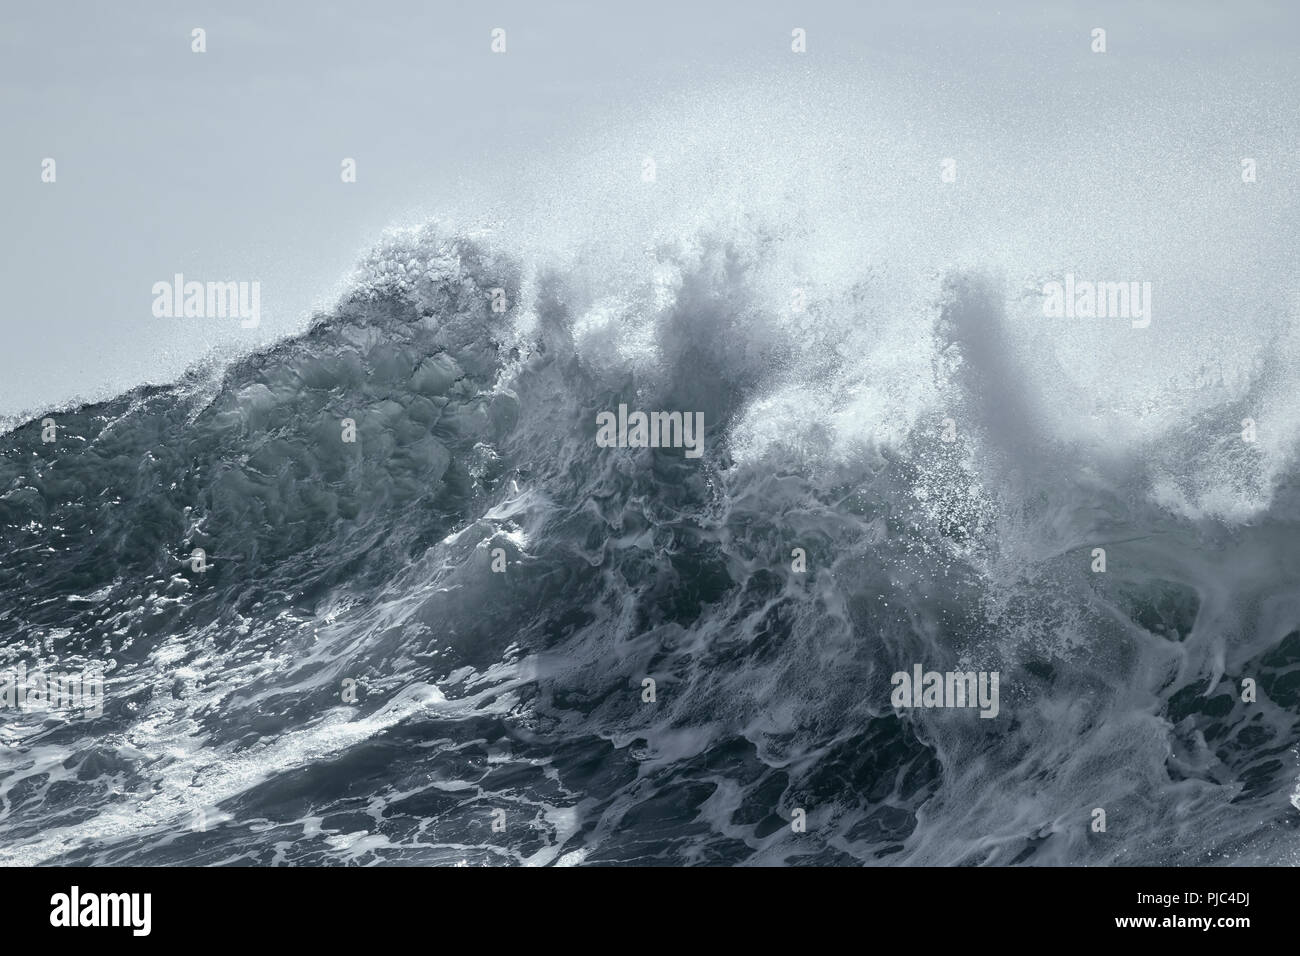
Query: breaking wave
pixel 370 565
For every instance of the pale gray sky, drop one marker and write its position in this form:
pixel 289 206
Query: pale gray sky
pixel 225 165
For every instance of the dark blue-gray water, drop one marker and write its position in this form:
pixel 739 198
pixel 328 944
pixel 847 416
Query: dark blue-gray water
pixel 226 736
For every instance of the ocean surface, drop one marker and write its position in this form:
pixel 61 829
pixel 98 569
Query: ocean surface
pixel 349 681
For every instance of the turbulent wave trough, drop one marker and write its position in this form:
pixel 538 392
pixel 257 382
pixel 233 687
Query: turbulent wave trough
pixel 226 735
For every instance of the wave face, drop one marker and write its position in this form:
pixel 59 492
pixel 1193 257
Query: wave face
pixel 364 570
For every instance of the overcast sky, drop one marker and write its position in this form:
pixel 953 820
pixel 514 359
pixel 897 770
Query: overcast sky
pixel 225 165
